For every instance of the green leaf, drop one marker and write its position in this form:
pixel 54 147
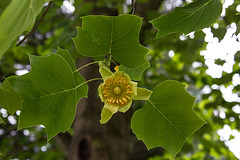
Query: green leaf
pixel 167 119
pixel 18 17
pixel 118 36
pixel 1 121
pixel 50 92
pixel 3 5
pixel 192 17
pixel 219 33
pixel 78 78
pixel 135 73
pixel 238 28
pixel 9 99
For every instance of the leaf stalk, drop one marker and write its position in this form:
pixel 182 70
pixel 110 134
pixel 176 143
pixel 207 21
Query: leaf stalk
pixel 90 80
pixel 87 65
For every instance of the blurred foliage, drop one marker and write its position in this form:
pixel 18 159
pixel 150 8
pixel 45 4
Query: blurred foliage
pixel 27 143
pixel 171 57
pixel 3 5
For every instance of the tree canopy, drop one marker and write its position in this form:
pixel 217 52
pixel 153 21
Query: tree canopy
pixel 169 74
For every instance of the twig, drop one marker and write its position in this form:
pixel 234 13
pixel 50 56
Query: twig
pixel 36 25
pixel 133 7
pixel 87 65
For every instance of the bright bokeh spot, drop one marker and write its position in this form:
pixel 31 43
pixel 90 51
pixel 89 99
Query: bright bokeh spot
pixel 67 7
pixel 238 8
pixel 232 144
pixel 223 50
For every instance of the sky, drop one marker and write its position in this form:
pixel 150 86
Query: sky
pixel 224 50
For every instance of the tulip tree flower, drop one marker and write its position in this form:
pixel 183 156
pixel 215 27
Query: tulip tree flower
pixel 117 92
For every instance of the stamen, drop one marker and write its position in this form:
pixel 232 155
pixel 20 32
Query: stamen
pixel 117 91
pixel 124 99
pixel 127 97
pixel 121 101
pixel 129 91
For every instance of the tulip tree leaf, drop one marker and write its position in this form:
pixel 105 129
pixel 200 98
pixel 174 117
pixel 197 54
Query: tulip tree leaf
pixel 192 17
pixel 82 91
pixel 118 36
pixel 3 5
pixel 167 119
pixel 9 99
pixel 19 16
pixel 135 73
pixel 50 92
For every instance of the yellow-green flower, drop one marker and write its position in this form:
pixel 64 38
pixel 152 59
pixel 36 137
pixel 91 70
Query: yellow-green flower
pixel 117 92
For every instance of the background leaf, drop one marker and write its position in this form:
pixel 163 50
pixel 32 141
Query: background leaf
pixel 3 5
pixel 18 17
pixel 118 36
pixel 50 92
pixel 9 99
pixel 219 33
pixel 135 73
pixel 238 28
pixel 1 121
pixel 167 119
pixel 192 17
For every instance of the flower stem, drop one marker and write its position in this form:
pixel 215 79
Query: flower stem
pixel 108 60
pixel 90 80
pixel 87 65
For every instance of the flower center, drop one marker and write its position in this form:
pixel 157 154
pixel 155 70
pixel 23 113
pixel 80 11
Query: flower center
pixel 117 90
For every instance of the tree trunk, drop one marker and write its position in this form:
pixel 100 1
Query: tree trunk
pixel 113 140
pixel 91 140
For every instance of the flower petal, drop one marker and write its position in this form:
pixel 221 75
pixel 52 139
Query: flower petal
pixel 134 88
pixel 104 71
pixel 118 74
pixel 110 107
pixel 126 107
pixel 142 94
pixel 100 92
pixel 105 115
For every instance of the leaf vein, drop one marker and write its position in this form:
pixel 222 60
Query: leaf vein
pixel 167 119
pixel 53 80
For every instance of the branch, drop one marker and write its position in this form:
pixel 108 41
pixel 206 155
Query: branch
pixel 133 6
pixel 36 25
